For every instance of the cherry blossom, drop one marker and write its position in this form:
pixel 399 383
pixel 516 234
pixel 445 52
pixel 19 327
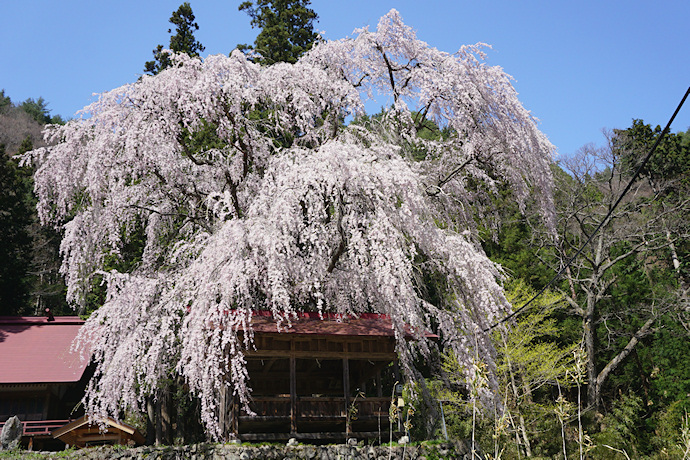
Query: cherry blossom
pixel 252 188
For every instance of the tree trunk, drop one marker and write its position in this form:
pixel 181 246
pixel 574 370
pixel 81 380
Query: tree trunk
pixel 516 395
pixel 180 415
pixel 589 337
pixel 166 416
pixel 589 325
pixel 159 425
pixel 592 386
pixel 150 421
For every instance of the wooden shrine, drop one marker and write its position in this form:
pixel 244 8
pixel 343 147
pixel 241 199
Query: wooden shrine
pixel 320 379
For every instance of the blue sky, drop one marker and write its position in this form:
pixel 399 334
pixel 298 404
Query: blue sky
pixel 579 66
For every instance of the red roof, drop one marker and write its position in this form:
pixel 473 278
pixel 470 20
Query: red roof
pixel 34 350
pixel 308 323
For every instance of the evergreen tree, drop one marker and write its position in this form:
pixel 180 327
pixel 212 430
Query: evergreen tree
pixel 38 109
pixel 670 163
pixel 15 240
pixel 182 42
pixel 287 29
pixel 29 252
pixel 5 101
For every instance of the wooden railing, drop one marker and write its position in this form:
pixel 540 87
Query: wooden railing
pixel 319 406
pixel 314 417
pixel 40 427
pixel 276 406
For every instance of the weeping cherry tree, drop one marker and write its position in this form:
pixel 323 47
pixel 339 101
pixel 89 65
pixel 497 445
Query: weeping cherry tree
pixel 250 188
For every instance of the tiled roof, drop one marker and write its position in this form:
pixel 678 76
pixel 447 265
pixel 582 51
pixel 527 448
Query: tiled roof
pixel 35 350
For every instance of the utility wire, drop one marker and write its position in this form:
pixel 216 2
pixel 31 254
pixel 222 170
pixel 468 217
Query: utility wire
pixel 602 223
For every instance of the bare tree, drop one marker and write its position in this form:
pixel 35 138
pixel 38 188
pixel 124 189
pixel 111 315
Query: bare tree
pixel 15 126
pixel 643 230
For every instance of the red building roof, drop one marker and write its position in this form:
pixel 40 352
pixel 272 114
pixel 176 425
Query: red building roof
pixel 35 350
pixel 308 323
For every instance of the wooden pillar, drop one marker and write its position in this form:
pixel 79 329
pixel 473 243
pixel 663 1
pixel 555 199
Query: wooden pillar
pixel 293 394
pixel 235 420
pixel 396 373
pixel 223 412
pixel 346 393
pixel 379 390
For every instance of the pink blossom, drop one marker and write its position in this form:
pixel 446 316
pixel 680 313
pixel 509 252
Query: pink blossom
pixel 290 210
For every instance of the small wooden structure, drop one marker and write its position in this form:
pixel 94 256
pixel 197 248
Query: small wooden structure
pixel 320 379
pixel 82 433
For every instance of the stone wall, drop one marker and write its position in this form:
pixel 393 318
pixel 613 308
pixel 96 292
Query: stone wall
pixel 429 451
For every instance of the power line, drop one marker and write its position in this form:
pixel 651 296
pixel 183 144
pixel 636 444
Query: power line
pixel 602 223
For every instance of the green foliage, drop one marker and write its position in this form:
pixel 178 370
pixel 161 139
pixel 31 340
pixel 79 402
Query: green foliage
pixel 287 29
pixel 620 428
pixel 18 454
pixel 672 432
pixel 668 352
pixel 57 120
pixel 182 42
pixel 659 372
pixel 35 261
pixel 428 421
pixel 30 252
pixel 533 365
pixel 529 349
pixel 671 159
pixel 5 101
pixel 511 244
pixel 202 140
pixel 16 215
pixel 160 61
pixel 37 109
pixel 125 259
pixel 645 398
pixel 667 171
pixel 427 131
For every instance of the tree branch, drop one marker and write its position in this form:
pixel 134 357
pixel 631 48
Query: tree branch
pixel 390 71
pixel 342 245
pixel 613 364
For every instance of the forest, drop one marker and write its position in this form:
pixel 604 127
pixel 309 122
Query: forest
pixel 256 180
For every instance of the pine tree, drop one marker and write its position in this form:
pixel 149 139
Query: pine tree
pixel 287 29
pixel 182 42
